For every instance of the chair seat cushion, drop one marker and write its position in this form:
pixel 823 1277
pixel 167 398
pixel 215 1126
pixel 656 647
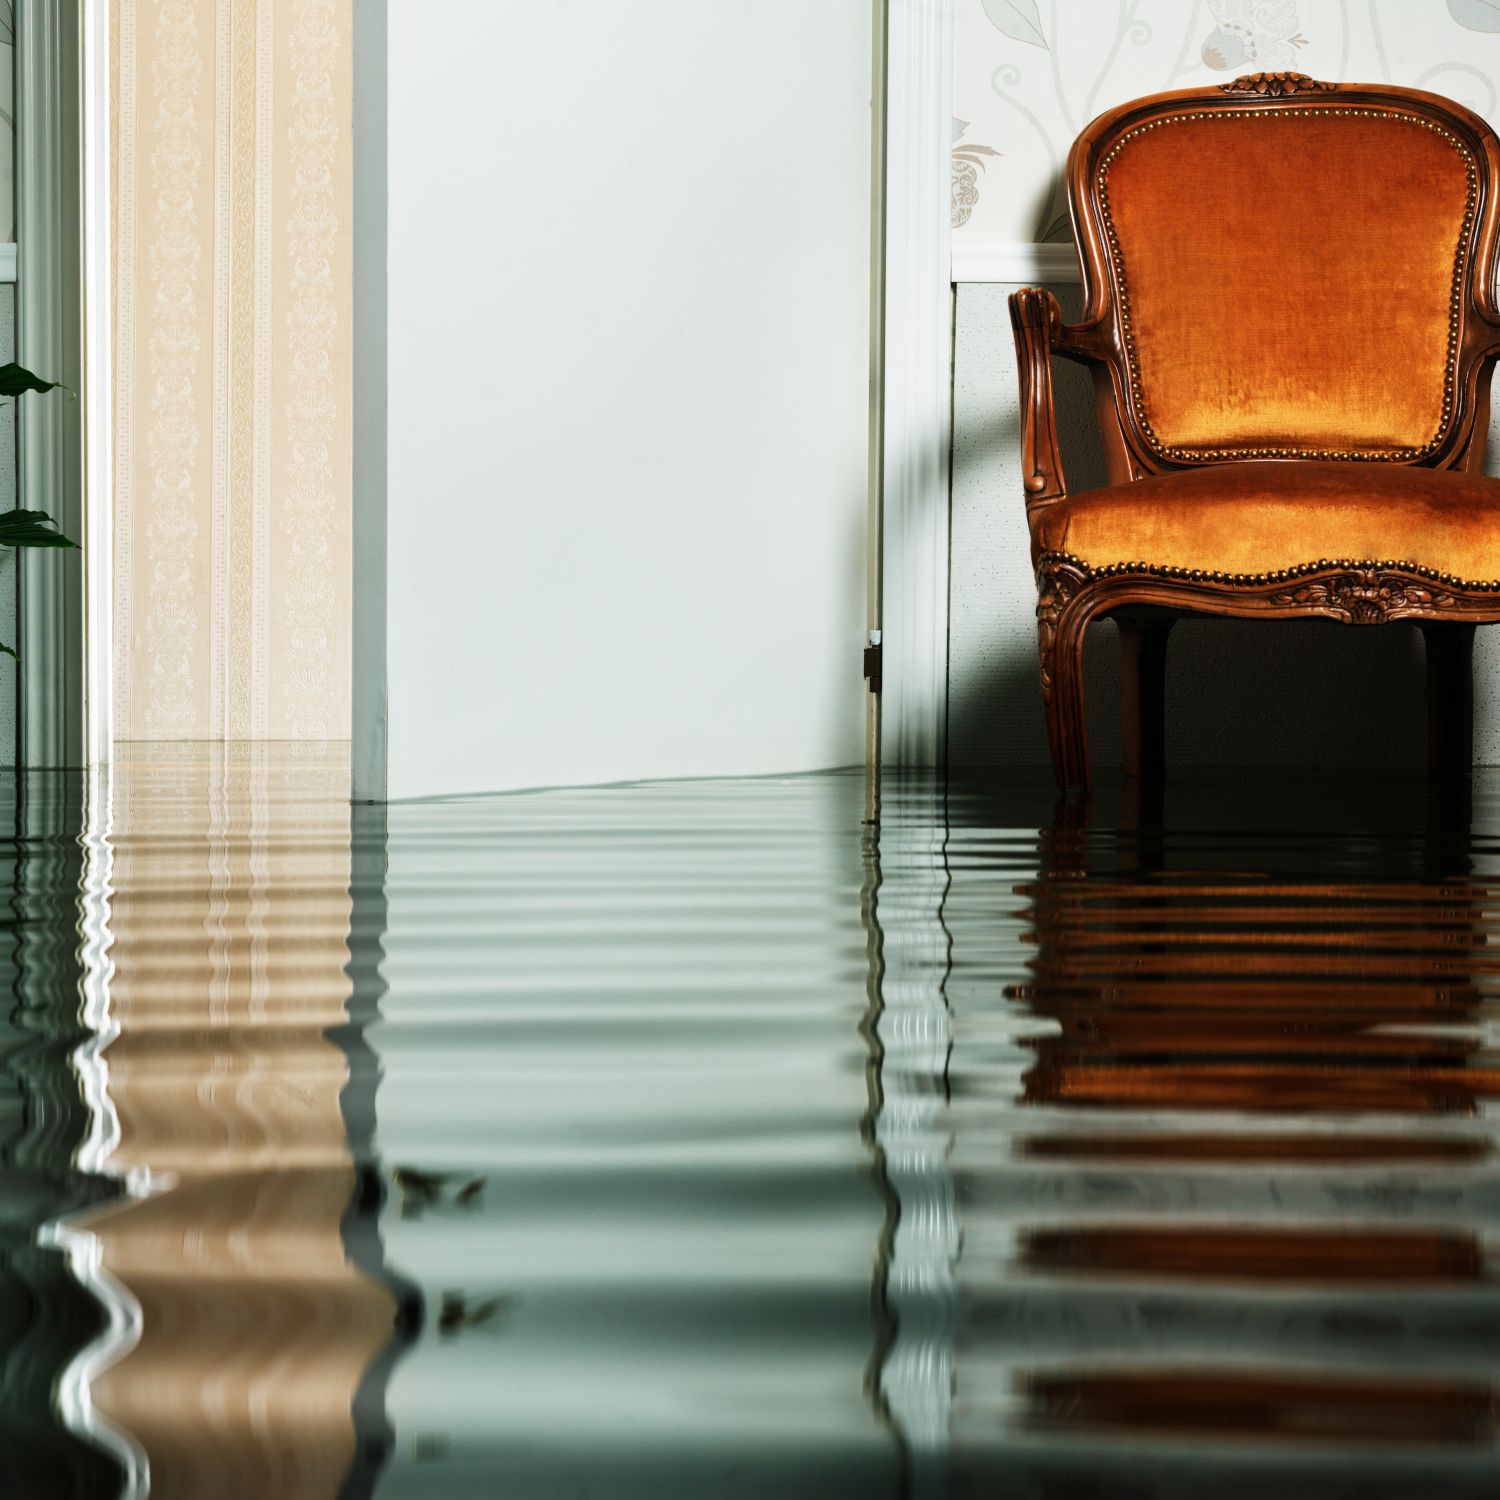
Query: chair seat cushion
pixel 1271 515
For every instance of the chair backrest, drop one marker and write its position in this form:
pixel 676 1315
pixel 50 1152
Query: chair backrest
pixel 1282 268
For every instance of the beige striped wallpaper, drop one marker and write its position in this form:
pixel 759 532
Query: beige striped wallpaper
pixel 231 213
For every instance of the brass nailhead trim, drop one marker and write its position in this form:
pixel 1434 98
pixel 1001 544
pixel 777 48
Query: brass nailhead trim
pixel 1455 297
pixel 1279 575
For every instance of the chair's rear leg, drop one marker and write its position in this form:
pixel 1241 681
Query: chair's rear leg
pixel 1450 698
pixel 1143 695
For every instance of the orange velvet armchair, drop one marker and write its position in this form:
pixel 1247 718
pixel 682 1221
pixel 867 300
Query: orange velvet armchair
pixel 1290 313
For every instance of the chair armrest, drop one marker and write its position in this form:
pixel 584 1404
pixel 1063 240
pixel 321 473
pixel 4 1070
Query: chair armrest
pixel 1036 319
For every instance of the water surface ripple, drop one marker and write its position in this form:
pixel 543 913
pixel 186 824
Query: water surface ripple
pixel 706 1139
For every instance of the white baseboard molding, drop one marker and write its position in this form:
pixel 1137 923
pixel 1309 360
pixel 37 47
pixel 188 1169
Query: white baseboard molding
pixel 1020 265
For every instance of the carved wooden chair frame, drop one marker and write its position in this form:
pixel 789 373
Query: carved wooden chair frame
pixel 1145 600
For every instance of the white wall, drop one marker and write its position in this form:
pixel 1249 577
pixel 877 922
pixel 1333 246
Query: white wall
pixel 625 397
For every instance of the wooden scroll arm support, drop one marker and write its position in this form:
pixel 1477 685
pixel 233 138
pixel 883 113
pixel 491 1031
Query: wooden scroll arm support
pixel 1040 333
pixel 1487 330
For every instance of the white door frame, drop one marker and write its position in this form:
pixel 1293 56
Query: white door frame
pixel 98 367
pixel 63 333
pixel 49 635
pixel 917 406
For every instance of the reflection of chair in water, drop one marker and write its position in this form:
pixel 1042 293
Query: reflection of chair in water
pixel 1258 1099
pixel 1205 990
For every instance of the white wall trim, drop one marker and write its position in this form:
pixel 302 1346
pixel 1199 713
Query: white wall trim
pixel 49 339
pixel 918 370
pixel 1020 265
pixel 369 694
pixel 98 402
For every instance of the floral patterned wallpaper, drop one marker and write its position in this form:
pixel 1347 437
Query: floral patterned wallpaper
pixel 1030 74
pixel 231 197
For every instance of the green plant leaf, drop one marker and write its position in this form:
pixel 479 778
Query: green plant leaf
pixel 16 379
pixel 1018 19
pixel 30 528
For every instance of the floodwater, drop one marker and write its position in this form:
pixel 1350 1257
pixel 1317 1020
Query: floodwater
pixel 702 1139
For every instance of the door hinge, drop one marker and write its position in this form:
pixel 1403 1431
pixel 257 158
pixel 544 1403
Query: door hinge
pixel 872 661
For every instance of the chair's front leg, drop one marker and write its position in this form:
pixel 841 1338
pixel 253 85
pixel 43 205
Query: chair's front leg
pixel 1450 698
pixel 1061 620
pixel 1143 695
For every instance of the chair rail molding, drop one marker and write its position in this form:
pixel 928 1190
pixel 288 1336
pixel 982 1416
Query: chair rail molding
pixel 1017 264
pixel 918 367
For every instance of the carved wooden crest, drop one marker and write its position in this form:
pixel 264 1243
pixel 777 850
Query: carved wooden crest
pixel 1277 85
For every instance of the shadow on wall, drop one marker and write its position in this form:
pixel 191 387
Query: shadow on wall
pixel 1308 693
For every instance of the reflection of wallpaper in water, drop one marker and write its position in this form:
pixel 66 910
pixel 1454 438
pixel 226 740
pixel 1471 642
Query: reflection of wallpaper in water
pixel 229 925
pixel 232 181
pixel 1030 74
